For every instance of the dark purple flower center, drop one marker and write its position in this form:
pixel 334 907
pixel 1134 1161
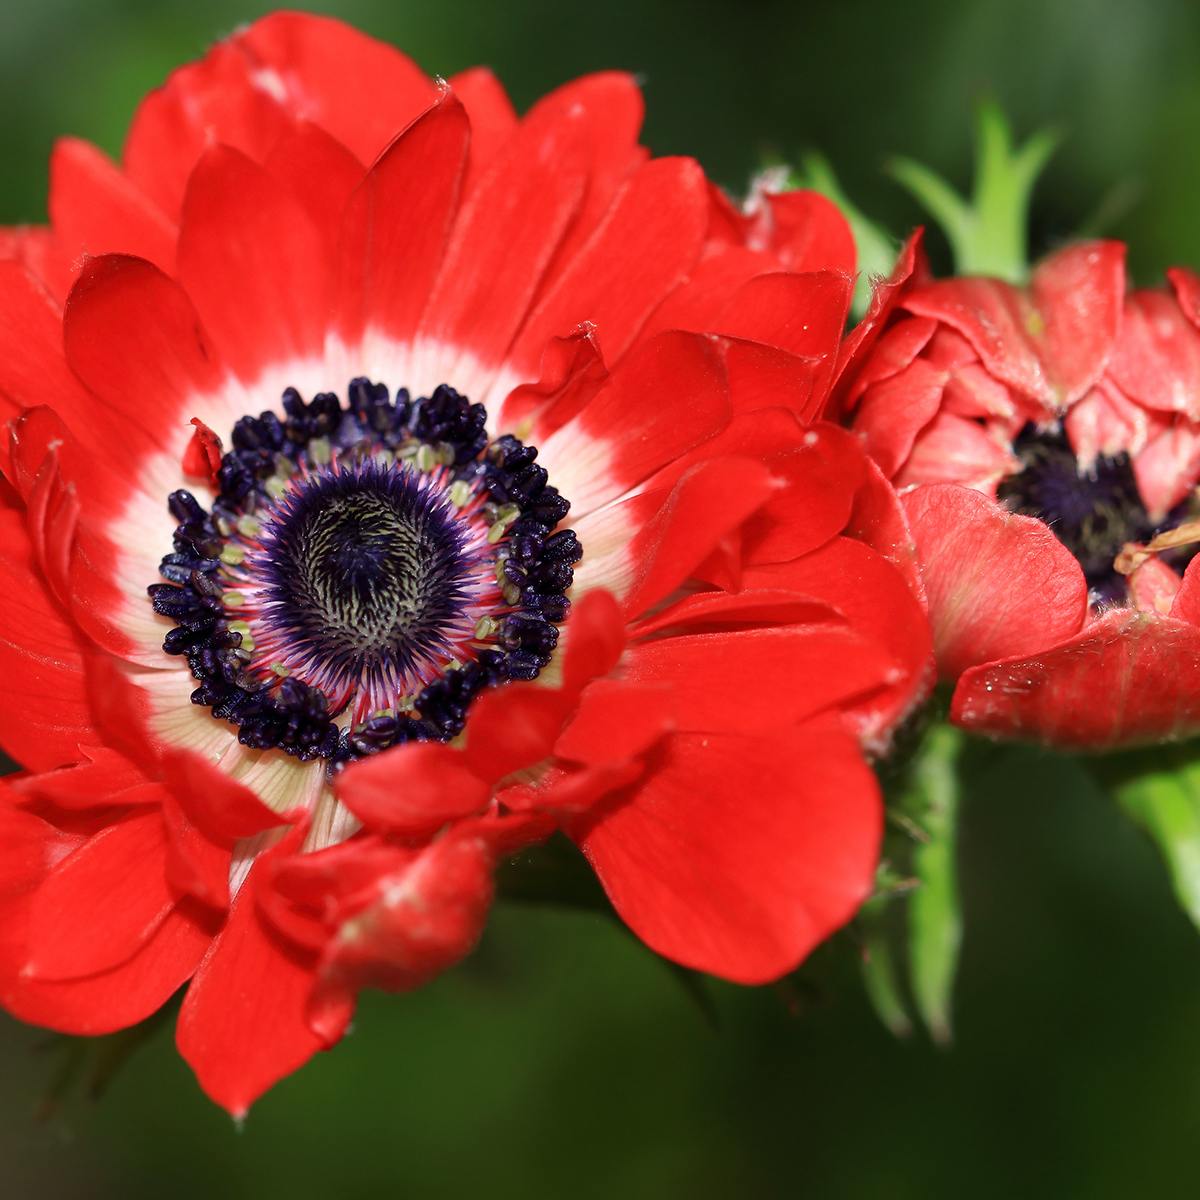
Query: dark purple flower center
pixel 1093 514
pixel 364 572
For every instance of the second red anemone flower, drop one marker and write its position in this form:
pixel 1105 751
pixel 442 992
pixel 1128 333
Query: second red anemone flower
pixel 1038 434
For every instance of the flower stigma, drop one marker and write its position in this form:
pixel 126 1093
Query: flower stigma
pixel 364 572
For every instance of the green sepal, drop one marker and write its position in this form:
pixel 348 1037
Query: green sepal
pixel 910 950
pixel 988 234
pixel 1160 790
pixel 934 913
pixel 880 977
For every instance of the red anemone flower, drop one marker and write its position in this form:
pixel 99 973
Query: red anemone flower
pixel 1038 435
pixel 426 330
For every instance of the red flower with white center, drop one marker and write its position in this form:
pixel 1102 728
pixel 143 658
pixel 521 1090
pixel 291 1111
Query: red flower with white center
pixel 1037 434
pixel 426 330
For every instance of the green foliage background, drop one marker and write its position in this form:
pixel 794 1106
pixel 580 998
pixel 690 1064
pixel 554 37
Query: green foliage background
pixel 563 1059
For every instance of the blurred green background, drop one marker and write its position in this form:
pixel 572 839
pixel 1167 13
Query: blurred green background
pixel 563 1059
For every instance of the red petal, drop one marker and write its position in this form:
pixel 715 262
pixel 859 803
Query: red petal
pixel 809 233
pixel 595 638
pixel 619 439
pixel 617 720
pixel 253 263
pixel 738 855
pixel 1186 285
pixel 763 604
pixel 215 100
pixel 111 1000
pixel 1153 587
pixel 572 372
pixel 321 173
pixel 911 269
pixel 361 90
pixel 195 865
pixel 645 245
pixel 134 338
pixel 762 376
pixel 864 587
pixel 337 879
pixel 953 450
pixel 972 392
pixel 45 714
pixel 427 917
pixel 514 727
pixel 102 904
pixel 893 352
pixel 506 236
pixel 758 680
pixel 96 210
pixel 98 480
pixel 696 303
pixel 493 118
pixel 891 413
pixel 611 104
pixel 1051 343
pixel 1079 291
pixel 52 521
pixel 242 1027
pixel 568 789
pixel 1104 423
pixel 949 351
pixel 879 603
pixel 70 493
pixel 879 519
pixel 802 314
pixel 1167 469
pixel 412 790
pixel 999 584
pixel 1157 358
pixel 306 896
pixel 202 458
pixel 729 227
pixel 36 250
pixel 222 808
pixel 1186 606
pixel 100 776
pixel 711 500
pixel 385 273
pixel 123 711
pixel 29 846
pixel 33 368
pixel 820 477
pixel 1128 678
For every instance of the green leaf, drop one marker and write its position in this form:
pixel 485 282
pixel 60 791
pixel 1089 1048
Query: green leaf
pixel 934 917
pixel 875 247
pixel 879 971
pixel 1167 805
pixel 988 234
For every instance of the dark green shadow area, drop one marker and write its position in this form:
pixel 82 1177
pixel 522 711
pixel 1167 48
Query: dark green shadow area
pixel 726 81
